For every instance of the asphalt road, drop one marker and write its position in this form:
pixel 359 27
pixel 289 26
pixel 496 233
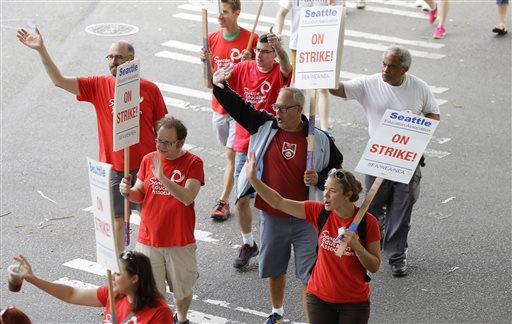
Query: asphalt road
pixel 459 246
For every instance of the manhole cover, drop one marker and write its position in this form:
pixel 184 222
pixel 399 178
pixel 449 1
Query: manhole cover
pixel 111 29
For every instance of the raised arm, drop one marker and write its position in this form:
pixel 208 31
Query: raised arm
pixel 282 57
pixel 35 41
pixel 272 197
pixel 280 17
pixel 85 297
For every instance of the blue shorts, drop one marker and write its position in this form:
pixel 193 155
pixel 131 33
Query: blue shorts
pixel 277 235
pixel 500 2
pixel 118 199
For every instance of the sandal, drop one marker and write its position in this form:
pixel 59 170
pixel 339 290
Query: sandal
pixel 500 30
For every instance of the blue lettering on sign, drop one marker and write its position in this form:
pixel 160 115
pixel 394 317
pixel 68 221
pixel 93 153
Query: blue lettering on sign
pixel 98 170
pixel 321 13
pixel 132 68
pixel 408 119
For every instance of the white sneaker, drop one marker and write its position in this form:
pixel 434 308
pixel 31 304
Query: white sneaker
pixel 419 3
pixel 360 4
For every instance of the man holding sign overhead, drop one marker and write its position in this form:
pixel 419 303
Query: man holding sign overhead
pixel 392 89
pixel 99 90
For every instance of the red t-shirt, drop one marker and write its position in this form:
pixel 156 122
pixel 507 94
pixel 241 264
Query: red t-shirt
pixel 225 51
pixel 284 165
pixel 147 315
pixel 260 89
pixel 99 90
pixel 335 279
pixel 164 220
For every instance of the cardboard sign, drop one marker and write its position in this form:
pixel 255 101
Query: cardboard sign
pixel 319 47
pixel 126 105
pixel 210 5
pixel 101 195
pixel 395 149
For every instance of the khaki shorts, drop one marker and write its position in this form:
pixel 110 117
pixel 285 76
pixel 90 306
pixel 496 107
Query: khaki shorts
pixel 176 265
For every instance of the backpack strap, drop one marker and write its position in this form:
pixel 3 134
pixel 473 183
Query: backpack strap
pixel 322 219
pixel 361 231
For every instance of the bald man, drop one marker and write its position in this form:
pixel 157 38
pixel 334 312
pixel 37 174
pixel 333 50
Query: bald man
pixel 99 90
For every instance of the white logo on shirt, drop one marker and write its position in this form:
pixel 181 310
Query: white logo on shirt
pixel 330 244
pixel 235 54
pixel 265 87
pixel 289 150
pixel 177 173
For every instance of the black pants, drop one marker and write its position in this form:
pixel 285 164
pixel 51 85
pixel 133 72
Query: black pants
pixel 322 312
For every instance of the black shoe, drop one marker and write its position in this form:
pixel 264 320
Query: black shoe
pixel 399 269
pixel 246 252
pixel 175 320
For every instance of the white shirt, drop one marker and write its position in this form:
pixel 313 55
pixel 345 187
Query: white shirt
pixel 376 96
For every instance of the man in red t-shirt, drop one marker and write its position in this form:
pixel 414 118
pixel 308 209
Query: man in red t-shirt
pixel 226 47
pixel 99 90
pixel 258 82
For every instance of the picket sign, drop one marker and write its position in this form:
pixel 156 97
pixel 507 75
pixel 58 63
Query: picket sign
pixel 101 196
pixel 126 121
pixel 393 153
pixel 318 59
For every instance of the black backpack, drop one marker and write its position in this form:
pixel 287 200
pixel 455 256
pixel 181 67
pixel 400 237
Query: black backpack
pixel 361 231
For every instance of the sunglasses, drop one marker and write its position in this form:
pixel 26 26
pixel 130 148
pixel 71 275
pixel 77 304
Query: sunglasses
pixel 128 256
pixel 340 176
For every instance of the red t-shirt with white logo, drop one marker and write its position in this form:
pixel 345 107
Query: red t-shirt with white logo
pixel 224 51
pixel 335 279
pixel 284 165
pixel 147 315
pixel 260 89
pixel 164 220
pixel 100 90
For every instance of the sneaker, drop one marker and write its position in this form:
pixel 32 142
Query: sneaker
pixel 175 320
pixel 246 253
pixel 399 269
pixel 274 318
pixel 360 4
pixel 220 211
pixel 419 3
pixel 432 15
pixel 439 33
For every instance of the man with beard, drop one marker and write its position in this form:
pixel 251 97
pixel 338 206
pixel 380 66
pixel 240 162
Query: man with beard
pixel 100 90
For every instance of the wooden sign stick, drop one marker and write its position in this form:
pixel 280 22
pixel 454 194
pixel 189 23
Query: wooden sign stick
pixel 111 298
pixel 360 214
pixel 254 26
pixel 311 131
pixel 207 64
pixel 127 210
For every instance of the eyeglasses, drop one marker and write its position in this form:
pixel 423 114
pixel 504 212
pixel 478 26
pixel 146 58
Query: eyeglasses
pixel 165 143
pixel 282 108
pixel 111 57
pixel 340 176
pixel 259 50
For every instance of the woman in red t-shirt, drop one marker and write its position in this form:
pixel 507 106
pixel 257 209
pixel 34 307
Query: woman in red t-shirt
pixel 137 299
pixel 337 290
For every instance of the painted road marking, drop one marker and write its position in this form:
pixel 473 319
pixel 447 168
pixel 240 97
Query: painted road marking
pixel 348 32
pixel 371 46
